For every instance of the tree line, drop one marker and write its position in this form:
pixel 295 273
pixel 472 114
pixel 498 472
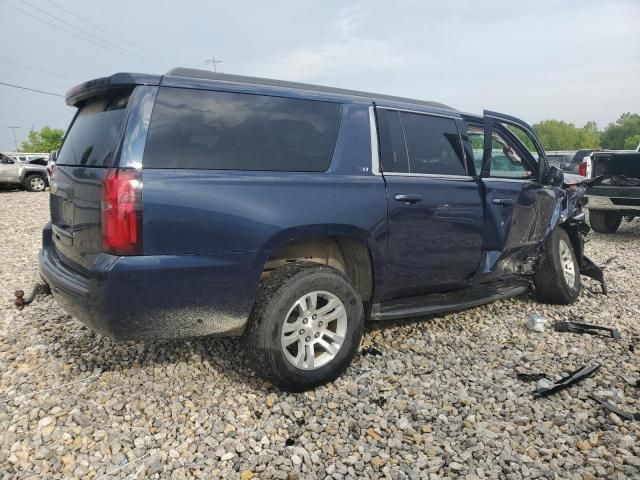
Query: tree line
pixel 624 134
pixel 554 135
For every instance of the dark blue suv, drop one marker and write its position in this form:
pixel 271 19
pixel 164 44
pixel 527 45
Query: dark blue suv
pixel 197 203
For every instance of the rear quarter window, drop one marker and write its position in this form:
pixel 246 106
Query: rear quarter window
pixel 200 129
pixel 93 135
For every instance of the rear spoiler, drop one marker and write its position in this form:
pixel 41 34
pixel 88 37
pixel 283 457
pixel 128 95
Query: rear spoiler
pixel 95 87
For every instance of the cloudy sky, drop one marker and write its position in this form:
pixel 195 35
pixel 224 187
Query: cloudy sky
pixel 574 60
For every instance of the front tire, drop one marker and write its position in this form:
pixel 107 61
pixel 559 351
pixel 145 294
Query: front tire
pixel 557 280
pixel 305 327
pixel 604 222
pixel 35 183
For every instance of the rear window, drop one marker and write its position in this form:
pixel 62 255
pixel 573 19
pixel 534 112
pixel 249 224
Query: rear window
pixel 94 132
pixel 201 129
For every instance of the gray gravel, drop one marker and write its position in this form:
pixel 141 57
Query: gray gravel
pixel 442 399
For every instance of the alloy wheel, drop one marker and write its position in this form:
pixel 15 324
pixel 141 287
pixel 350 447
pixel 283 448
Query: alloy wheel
pixel 314 330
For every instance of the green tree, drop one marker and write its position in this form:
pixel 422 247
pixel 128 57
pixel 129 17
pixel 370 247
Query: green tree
pixel 559 135
pixel 631 143
pixel 45 140
pixel 621 134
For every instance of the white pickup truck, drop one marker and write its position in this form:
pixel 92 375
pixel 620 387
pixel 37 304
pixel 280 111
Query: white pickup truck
pixel 29 173
pixel 613 188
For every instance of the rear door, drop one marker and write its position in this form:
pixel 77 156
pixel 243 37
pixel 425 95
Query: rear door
pixel 88 150
pixel 434 204
pixel 518 206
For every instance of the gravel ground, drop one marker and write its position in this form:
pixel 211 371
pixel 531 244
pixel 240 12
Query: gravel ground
pixel 442 400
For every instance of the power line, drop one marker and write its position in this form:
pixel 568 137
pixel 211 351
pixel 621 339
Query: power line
pixel 31 89
pixel 113 35
pixel 34 69
pixel 88 34
pixel 59 28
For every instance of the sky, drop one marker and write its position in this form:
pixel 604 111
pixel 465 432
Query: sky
pixel 572 60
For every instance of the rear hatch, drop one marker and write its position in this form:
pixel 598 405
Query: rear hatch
pixel 87 153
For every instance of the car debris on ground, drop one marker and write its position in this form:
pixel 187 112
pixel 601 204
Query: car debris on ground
pixel 578 327
pixel 612 408
pixel 546 387
pixel 536 322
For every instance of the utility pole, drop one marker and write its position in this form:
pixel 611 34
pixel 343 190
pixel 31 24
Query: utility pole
pixel 214 62
pixel 15 140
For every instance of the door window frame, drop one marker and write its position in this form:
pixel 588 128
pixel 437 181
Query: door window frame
pixel 467 162
pixel 504 135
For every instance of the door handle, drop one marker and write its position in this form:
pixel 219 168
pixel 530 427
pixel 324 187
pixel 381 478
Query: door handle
pixel 408 198
pixel 504 202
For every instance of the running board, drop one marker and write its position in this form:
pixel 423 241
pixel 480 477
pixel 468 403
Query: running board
pixel 445 302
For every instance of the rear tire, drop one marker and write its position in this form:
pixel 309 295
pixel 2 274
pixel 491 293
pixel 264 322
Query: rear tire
pixel 35 183
pixel 604 222
pixel 289 351
pixel 557 280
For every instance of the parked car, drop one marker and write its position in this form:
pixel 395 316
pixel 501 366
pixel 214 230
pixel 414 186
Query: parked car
pixel 198 203
pixel 613 193
pixel 25 157
pixel 30 174
pixel 567 160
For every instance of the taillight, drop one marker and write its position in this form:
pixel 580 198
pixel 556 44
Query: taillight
pixel 122 212
pixel 582 169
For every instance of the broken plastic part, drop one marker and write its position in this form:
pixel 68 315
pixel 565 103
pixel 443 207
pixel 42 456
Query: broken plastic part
pixel 544 388
pixel 372 350
pixel 621 413
pixel 632 383
pixel 536 322
pixel 590 269
pixel 576 327
pixel 530 377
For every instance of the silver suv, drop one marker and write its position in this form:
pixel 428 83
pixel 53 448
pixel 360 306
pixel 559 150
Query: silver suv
pixel 29 174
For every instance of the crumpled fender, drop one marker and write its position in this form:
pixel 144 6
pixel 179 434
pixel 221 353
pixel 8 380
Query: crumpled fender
pixel 572 219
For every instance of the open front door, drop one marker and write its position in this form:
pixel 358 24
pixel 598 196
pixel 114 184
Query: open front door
pixel 518 206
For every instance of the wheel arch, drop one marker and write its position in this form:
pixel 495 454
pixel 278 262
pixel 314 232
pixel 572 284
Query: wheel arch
pixel 348 249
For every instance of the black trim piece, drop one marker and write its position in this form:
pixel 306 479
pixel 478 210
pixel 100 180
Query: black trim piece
pixel 577 327
pixel 445 302
pixel 567 381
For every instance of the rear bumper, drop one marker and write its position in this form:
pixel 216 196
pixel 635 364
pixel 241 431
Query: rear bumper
pixel 613 198
pixel 152 297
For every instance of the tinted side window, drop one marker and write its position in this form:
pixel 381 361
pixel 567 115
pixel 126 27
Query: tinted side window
pixel 392 147
pixel 433 144
pixel 234 131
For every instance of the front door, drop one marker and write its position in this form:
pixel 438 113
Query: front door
pixel 518 205
pixel 8 169
pixel 434 204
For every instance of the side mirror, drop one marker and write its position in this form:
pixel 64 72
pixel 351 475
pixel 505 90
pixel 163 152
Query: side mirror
pixel 555 176
pixel 53 156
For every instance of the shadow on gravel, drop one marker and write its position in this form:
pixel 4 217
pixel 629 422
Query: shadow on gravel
pixel 90 352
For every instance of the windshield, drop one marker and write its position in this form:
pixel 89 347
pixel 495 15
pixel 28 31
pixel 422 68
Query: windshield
pixel 93 134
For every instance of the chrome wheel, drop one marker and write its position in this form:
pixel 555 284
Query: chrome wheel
pixel 566 260
pixel 37 184
pixel 314 330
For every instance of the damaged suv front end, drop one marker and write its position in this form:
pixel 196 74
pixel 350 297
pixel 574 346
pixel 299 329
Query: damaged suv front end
pixel 573 220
